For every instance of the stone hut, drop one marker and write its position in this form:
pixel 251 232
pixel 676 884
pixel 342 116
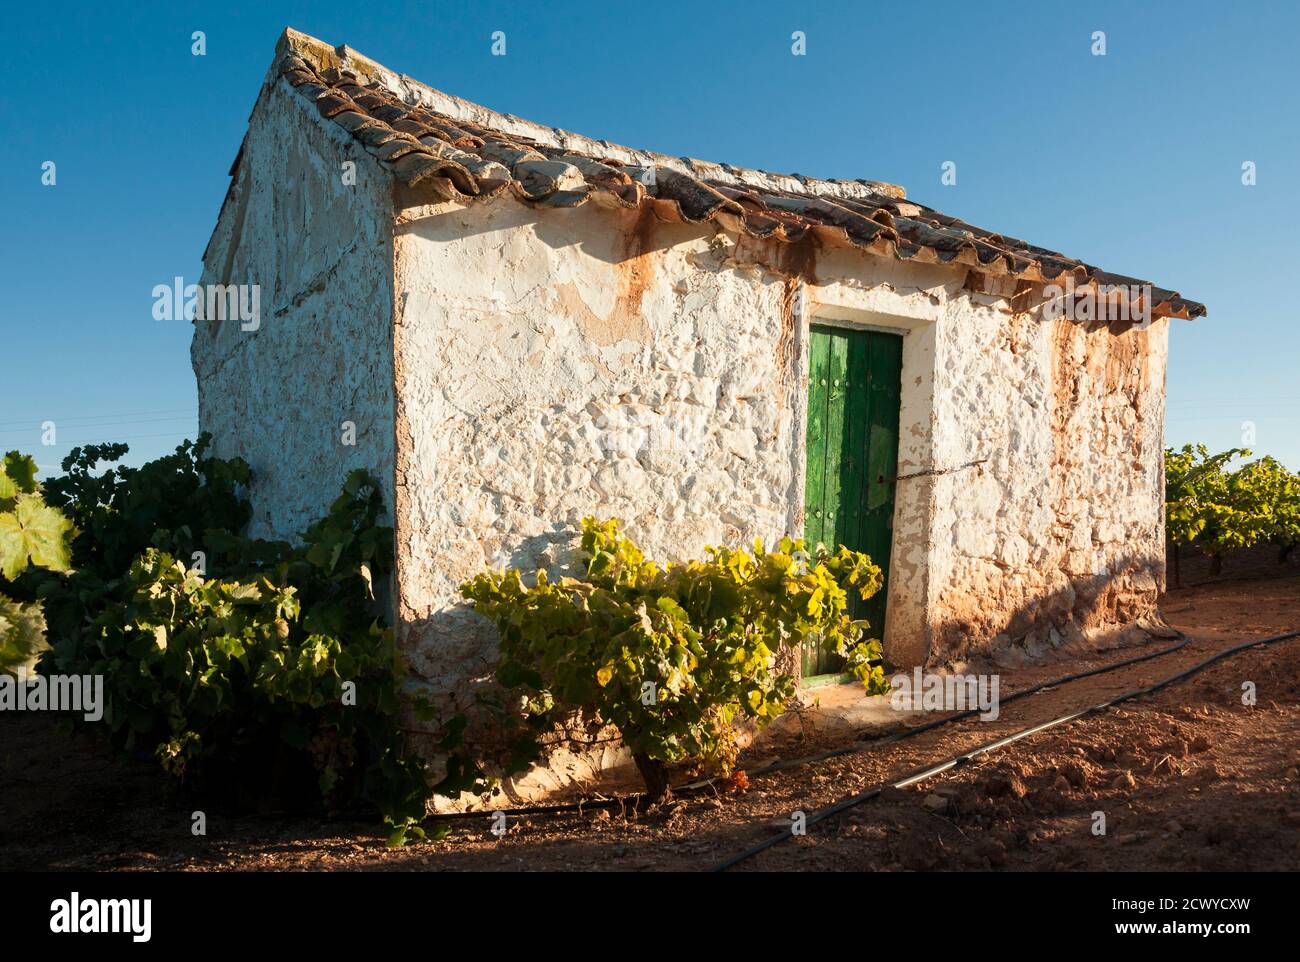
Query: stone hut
pixel 515 326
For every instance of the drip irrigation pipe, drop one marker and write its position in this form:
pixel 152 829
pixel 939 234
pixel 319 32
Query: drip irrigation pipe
pixel 956 761
pixel 950 719
pixel 695 787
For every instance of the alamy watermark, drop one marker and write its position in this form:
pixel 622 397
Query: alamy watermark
pixel 1098 302
pixel 75 915
pixel 209 302
pixel 934 692
pixel 627 433
pixel 78 693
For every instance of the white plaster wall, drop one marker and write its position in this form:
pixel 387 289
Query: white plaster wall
pixel 321 252
pixel 555 364
pixel 569 363
pixel 1057 536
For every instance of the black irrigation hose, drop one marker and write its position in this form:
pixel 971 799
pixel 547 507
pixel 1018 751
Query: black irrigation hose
pixel 695 787
pixel 957 761
pixel 949 719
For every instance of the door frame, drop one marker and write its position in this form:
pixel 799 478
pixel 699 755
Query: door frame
pixel 904 611
pixel 816 320
pixel 900 299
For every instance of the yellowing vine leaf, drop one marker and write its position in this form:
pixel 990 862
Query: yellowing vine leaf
pixel 36 533
pixel 22 635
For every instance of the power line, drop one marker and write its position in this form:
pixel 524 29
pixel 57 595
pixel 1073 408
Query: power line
pixel 1230 417
pixel 108 418
pixel 129 437
pixel 105 424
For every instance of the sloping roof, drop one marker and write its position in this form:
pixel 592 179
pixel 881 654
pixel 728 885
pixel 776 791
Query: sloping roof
pixel 458 150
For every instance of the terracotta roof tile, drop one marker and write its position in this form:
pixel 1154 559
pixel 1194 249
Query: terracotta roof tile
pixel 462 159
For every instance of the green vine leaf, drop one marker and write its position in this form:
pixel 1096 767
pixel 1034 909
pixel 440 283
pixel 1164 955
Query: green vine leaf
pixel 17 476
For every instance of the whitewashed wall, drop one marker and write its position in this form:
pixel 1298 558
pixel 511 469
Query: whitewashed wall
pixel 556 364
pixel 568 363
pixel 321 251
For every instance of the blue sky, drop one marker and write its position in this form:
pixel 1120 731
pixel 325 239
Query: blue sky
pixel 1130 160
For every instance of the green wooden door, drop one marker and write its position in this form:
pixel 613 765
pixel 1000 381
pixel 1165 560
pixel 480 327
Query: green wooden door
pixel 854 385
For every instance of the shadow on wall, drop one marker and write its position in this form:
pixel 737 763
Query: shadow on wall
pixel 621 235
pixel 454 649
pixel 1087 612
